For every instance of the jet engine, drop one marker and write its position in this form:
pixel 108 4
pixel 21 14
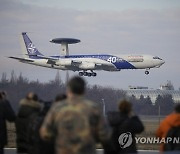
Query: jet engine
pixel 87 66
pixel 64 62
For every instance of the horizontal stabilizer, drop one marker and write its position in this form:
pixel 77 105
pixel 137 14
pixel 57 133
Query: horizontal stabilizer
pixel 43 57
pixel 21 59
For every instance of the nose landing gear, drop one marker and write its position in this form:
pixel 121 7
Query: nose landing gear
pixel 146 72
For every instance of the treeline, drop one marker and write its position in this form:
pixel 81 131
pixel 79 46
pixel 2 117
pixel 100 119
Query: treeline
pixel 163 105
pixel 18 86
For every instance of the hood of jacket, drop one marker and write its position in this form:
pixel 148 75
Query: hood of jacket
pixel 27 107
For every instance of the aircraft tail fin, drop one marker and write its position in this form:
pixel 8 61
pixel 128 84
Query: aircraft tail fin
pixel 31 50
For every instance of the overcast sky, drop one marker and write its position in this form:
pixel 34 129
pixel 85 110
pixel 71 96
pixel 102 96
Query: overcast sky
pixel 103 26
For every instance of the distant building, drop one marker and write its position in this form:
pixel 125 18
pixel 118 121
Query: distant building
pixel 167 86
pixel 166 89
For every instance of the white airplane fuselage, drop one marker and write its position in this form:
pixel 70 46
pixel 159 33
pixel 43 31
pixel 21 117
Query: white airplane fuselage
pixel 84 63
pixel 65 63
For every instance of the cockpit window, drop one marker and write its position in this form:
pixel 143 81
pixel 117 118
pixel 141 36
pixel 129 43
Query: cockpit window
pixel 157 58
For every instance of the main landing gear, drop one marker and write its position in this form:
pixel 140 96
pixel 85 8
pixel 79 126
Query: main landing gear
pixel 89 74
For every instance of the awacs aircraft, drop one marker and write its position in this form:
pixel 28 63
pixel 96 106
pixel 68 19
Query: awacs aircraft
pixel 85 64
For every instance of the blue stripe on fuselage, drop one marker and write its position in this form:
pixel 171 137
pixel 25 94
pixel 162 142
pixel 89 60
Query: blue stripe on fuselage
pixel 119 63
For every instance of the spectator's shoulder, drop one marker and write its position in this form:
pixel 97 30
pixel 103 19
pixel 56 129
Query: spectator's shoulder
pixel 91 103
pixel 3 104
pixel 31 103
pixel 22 101
pixel 134 117
pixel 6 103
pixel 59 105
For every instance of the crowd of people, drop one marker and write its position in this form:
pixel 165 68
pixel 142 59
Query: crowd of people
pixel 73 124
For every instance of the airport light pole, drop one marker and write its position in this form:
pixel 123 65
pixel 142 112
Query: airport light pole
pixel 159 113
pixel 104 107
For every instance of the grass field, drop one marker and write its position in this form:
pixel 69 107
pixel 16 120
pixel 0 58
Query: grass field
pixel 151 124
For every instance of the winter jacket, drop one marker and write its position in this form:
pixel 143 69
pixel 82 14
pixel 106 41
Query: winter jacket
pixel 122 123
pixel 172 120
pixel 37 145
pixel 27 108
pixel 6 113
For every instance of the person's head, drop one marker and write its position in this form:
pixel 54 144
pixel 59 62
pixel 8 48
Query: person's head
pixel 60 97
pixel 76 87
pixel 125 107
pixel 32 96
pixel 177 108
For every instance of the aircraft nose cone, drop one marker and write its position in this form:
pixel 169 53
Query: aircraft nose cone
pixel 162 62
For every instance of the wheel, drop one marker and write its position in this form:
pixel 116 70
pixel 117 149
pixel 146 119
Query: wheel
pixel 81 73
pixel 85 73
pixel 94 74
pixel 89 74
pixel 146 72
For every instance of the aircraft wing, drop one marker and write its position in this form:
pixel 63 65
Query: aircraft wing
pixel 92 66
pixel 51 60
pixel 76 62
pixel 22 59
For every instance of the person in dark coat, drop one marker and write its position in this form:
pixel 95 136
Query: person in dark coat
pixel 37 145
pixel 6 114
pixel 28 107
pixel 125 125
